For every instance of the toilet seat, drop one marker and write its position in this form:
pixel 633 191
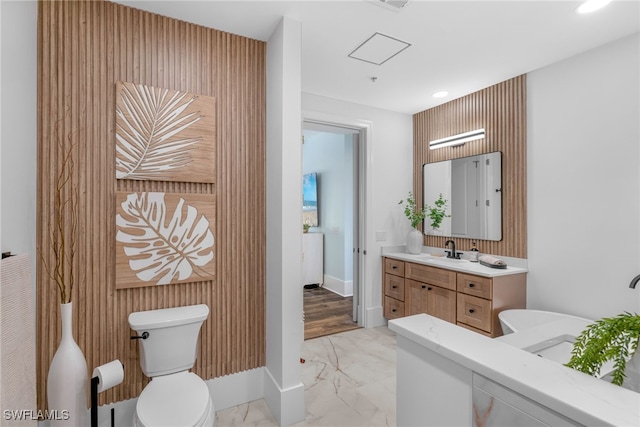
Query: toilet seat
pixel 180 399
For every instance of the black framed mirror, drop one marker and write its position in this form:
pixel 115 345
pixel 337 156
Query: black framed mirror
pixel 472 187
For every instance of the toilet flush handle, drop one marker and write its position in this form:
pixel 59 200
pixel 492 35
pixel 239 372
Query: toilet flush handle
pixel 144 336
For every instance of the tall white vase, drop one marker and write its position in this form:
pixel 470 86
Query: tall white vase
pixel 68 378
pixel 414 241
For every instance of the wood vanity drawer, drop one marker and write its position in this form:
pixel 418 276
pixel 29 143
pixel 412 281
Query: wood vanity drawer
pixel 394 286
pixel 393 308
pixel 475 285
pixel 474 311
pixel 393 266
pixel 434 276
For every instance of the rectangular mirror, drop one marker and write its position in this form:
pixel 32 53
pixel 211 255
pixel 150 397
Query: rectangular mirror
pixel 472 187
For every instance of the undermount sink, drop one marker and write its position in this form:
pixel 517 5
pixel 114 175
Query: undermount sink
pixel 557 349
pixel 445 259
pixel 436 259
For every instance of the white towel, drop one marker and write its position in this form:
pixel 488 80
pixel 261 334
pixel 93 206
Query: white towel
pixel 17 341
pixel 488 259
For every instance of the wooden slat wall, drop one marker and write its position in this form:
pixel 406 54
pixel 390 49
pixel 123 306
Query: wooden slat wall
pixel 501 110
pixel 84 47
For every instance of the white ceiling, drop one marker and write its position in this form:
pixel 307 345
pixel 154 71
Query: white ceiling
pixel 458 46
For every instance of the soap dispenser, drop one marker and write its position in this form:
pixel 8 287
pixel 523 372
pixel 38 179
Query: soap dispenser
pixel 473 253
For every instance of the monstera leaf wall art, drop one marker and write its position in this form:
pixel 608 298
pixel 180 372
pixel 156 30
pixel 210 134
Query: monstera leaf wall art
pixel 164 135
pixel 163 238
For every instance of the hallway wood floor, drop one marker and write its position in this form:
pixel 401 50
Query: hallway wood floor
pixel 326 313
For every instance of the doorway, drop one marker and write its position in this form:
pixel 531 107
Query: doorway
pixel 331 156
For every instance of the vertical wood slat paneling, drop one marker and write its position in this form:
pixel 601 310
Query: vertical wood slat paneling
pixel 501 110
pixel 83 49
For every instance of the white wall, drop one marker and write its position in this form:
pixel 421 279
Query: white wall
pixel 18 86
pixel 389 173
pixel 283 389
pixel 583 180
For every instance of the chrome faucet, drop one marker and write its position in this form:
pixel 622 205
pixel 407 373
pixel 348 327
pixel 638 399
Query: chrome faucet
pixel 452 253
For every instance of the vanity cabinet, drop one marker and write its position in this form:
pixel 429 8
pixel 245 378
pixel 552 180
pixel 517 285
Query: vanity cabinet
pixel 480 299
pixel 433 300
pixel 411 288
pixel 468 300
pixel 393 298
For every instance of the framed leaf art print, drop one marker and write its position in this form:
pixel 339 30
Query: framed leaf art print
pixel 164 135
pixel 164 238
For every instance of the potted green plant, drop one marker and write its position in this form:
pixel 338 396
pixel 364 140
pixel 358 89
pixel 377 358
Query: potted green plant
pixel 416 216
pixel 608 339
pixel 438 212
pixel 412 212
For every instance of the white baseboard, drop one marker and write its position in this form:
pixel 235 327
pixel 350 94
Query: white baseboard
pixel 338 286
pixel 236 389
pixel 286 405
pixel 374 317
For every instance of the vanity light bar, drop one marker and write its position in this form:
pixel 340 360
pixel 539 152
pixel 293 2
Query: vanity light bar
pixel 459 139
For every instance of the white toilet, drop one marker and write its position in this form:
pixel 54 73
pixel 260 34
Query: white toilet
pixel 174 396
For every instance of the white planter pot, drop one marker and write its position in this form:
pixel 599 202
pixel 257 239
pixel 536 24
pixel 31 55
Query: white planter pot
pixel 68 378
pixel 414 241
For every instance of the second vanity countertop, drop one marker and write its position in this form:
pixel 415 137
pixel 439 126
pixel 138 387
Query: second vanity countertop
pixel 582 398
pixel 459 265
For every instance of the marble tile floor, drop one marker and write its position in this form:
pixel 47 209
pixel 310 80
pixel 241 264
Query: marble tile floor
pixel 349 378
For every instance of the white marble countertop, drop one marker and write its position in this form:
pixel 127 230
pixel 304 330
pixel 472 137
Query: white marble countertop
pixel 461 265
pixel 578 396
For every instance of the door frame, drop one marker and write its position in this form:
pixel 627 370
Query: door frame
pixel 364 128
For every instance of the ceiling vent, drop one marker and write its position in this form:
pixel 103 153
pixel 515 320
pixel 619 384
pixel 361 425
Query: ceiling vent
pixel 378 49
pixel 393 5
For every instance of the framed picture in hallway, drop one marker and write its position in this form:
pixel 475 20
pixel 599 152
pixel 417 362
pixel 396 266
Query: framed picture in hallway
pixel 310 199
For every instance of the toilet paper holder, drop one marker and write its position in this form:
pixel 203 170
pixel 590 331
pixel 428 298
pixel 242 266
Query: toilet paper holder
pixel 95 382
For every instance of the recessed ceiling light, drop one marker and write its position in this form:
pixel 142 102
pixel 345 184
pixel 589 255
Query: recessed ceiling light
pixel 591 6
pixel 440 94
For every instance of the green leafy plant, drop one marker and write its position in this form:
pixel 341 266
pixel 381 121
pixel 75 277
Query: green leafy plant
pixel 438 212
pixel 412 212
pixel 610 338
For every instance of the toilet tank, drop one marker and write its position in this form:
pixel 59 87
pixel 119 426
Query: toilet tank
pixel 172 343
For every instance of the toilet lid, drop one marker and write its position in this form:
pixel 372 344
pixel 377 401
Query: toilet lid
pixel 174 400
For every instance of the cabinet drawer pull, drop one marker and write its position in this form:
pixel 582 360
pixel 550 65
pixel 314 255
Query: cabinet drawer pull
pixel 471 311
pixel 429 288
pixel 393 310
pixel 394 286
pixel 424 286
pixel 471 285
pixel 394 267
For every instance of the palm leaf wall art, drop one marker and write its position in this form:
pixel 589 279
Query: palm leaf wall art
pixel 163 238
pixel 164 135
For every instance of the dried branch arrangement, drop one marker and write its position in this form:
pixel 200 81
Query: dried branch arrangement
pixel 63 230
